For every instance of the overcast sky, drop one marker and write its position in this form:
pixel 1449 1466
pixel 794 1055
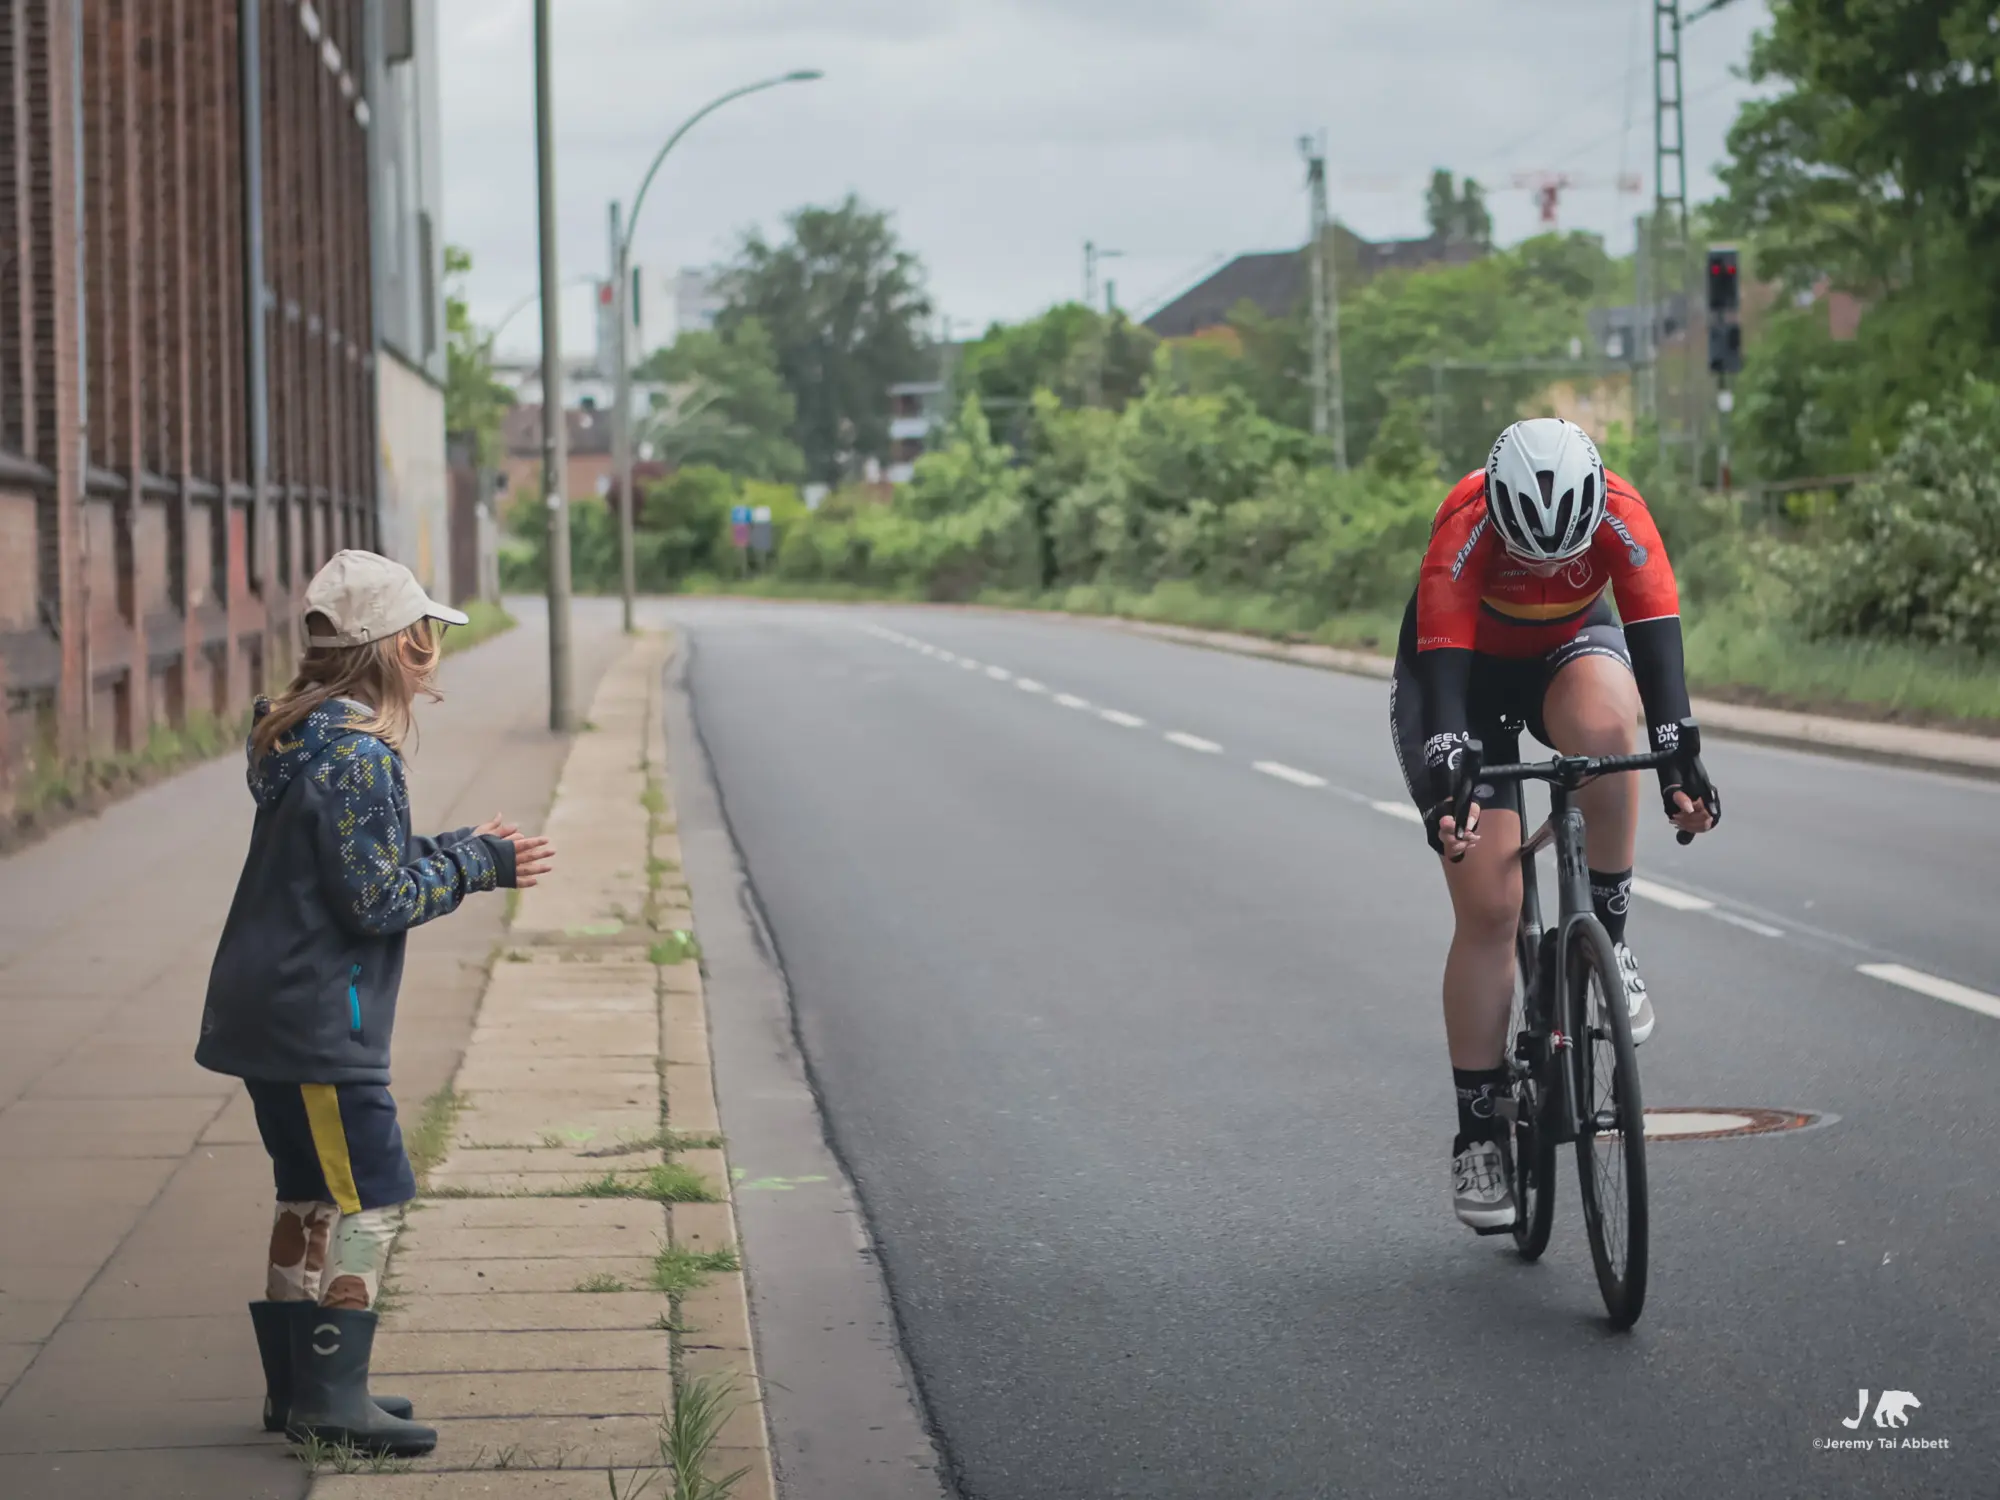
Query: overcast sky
pixel 1002 134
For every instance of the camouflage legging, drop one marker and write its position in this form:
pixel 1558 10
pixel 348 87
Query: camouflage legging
pixel 320 1255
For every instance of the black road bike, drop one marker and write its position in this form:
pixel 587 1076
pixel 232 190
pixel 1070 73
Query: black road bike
pixel 1571 1064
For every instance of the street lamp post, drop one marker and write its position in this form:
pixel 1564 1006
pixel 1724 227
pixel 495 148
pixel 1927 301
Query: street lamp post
pixel 621 275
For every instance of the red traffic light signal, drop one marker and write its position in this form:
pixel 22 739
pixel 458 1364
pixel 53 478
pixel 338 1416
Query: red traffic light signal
pixel 1722 281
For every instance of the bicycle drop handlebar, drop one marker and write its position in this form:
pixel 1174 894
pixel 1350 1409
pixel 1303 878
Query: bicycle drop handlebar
pixel 1570 771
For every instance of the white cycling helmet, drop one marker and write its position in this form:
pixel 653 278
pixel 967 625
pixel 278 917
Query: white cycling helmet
pixel 1545 490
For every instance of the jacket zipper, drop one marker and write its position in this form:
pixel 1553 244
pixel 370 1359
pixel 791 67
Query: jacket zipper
pixel 354 1001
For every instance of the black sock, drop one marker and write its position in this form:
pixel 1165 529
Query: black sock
pixel 1610 895
pixel 1477 1089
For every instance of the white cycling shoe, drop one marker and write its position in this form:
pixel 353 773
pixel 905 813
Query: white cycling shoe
pixel 1638 1005
pixel 1480 1193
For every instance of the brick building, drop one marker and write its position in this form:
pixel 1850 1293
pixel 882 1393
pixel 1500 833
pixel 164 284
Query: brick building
pixel 189 337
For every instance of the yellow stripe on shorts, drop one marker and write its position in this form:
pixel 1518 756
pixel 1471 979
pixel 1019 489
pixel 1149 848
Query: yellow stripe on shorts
pixel 330 1141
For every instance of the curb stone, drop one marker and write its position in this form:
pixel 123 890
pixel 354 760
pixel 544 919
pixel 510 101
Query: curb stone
pixel 519 1310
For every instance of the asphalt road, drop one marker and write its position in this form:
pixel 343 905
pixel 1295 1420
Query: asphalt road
pixel 1135 1052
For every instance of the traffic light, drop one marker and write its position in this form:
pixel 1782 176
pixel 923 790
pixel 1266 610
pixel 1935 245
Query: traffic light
pixel 1725 347
pixel 1722 281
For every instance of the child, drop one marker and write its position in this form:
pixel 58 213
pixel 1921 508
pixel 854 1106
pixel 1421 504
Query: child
pixel 302 996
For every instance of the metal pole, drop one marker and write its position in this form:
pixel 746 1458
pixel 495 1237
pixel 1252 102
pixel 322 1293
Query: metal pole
pixel 621 410
pixel 554 434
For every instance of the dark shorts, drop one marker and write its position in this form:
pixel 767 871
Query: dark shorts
pixel 1504 697
pixel 334 1143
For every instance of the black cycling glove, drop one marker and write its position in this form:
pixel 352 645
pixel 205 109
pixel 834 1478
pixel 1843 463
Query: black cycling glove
pixel 1685 773
pixel 1443 761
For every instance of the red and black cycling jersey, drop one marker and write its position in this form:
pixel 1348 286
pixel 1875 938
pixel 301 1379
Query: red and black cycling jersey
pixel 1474 599
pixel 1471 594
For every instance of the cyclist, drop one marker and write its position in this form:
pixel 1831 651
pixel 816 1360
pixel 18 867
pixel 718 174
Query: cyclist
pixel 1511 626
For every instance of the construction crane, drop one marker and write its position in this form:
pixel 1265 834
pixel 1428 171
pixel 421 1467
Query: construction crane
pixel 1548 188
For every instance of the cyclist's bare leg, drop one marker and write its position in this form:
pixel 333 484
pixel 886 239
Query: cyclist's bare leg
pixel 1479 970
pixel 1592 708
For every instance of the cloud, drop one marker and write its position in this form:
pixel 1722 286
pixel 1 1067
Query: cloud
pixel 1003 134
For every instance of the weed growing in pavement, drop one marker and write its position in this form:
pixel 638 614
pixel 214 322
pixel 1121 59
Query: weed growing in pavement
pixel 601 1281
pixel 678 1270
pixel 676 947
pixel 688 1436
pixel 671 1182
pixel 653 799
pixel 562 1140
pixel 431 1138
pixel 322 1457
pixel 512 905
pixel 662 1140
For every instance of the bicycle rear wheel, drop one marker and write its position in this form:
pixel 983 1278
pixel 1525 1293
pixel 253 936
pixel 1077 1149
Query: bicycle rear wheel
pixel 1531 1157
pixel 1611 1147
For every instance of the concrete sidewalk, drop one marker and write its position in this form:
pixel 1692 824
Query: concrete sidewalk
pixel 134 1197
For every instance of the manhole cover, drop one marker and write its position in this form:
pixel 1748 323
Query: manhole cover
pixel 1717 1124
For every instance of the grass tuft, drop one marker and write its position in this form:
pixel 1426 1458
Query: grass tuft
pixel 672 1182
pixel 689 1435
pixel 322 1457
pixel 431 1138
pixel 661 1140
pixel 678 1271
pixel 602 1281
pixel 653 799
pixel 676 947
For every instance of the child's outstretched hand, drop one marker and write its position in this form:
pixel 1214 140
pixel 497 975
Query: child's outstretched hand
pixel 498 826
pixel 534 857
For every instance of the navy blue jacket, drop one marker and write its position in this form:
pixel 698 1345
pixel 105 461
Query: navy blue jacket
pixel 303 988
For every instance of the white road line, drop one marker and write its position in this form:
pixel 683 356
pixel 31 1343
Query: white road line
pixel 1666 895
pixel 968 663
pixel 1193 742
pixel 1029 685
pixel 1762 929
pixel 1401 810
pixel 947 656
pixel 1000 674
pixel 1122 720
pixel 1070 700
pixel 1936 988
pixel 1288 773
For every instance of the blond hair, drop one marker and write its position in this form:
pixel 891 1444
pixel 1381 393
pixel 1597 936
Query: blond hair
pixel 385 675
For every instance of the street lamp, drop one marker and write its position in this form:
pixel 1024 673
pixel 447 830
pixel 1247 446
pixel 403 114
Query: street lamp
pixel 621 275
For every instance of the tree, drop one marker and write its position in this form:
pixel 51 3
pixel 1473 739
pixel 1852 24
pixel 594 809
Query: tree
pixel 845 308
pixel 1457 214
pixel 1081 355
pixel 727 406
pixel 474 400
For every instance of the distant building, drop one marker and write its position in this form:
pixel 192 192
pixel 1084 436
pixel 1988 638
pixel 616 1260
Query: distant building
pixel 1278 282
pixel 589 435
pixel 408 250
pixel 917 413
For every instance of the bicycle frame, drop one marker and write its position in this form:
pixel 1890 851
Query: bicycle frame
pixel 1540 960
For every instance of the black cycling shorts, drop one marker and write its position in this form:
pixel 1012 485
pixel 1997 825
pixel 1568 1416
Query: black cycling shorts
pixel 1504 697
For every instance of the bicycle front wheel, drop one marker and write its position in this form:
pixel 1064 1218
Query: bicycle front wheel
pixel 1611 1146
pixel 1531 1155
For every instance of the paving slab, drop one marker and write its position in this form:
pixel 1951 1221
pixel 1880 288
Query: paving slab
pixel 703 1226
pixel 528 1311
pixel 639 1235
pixel 548 1273
pixel 428 1353
pixel 532 1213
pixel 577 1393
pixel 569 1442
pixel 252 1470
pixel 487 1484
pixel 716 1315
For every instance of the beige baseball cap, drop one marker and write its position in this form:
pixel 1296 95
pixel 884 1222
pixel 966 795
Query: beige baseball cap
pixel 368 597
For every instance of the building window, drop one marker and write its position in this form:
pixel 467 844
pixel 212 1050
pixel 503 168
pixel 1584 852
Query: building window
pixel 399 30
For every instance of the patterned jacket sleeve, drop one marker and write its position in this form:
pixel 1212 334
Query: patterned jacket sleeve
pixel 371 883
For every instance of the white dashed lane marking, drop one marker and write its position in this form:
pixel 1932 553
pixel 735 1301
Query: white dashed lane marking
pixel 1289 773
pixel 1122 720
pixel 1029 685
pixel 1070 700
pixel 1666 895
pixel 1193 742
pixel 999 674
pixel 1748 924
pixel 1946 990
pixel 1401 810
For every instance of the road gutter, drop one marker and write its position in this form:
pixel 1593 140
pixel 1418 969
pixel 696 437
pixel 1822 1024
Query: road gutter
pixel 844 1415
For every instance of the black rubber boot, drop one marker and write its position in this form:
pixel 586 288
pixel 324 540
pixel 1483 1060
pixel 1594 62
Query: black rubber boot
pixel 330 1354
pixel 276 1323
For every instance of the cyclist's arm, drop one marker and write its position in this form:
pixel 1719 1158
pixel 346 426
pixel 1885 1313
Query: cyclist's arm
pixel 1447 625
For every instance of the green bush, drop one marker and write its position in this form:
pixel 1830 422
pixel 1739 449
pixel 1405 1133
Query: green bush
pixel 1916 551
